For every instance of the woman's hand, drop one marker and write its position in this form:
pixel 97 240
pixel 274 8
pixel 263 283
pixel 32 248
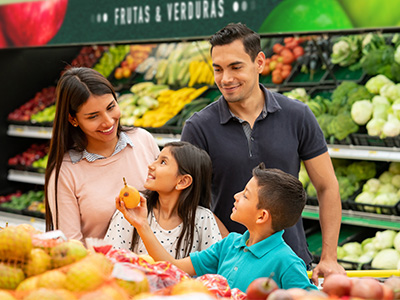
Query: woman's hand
pixel 136 216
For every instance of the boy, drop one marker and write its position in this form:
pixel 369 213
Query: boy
pixel 271 201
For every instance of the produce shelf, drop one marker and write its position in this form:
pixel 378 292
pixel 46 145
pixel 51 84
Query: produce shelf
pixel 45 133
pixel 364 152
pixel 16 219
pixel 358 218
pixel 29 131
pixel 25 176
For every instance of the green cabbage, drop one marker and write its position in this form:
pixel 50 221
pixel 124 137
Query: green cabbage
pixel 375 83
pixel 384 239
pixel 386 259
pixel 361 111
pixel 374 126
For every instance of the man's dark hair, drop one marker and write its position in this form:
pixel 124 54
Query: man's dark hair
pixel 238 31
pixel 281 194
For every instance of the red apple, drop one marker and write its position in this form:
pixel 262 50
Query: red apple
pixel 280 294
pixel 32 23
pixel 337 285
pixel 394 283
pixel 367 288
pixel 260 288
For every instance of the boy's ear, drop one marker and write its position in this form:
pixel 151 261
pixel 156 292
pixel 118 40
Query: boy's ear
pixel 263 217
pixel 185 181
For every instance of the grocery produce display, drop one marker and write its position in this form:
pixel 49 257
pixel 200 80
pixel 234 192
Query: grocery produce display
pixel 37 265
pixel 380 251
pixel 350 83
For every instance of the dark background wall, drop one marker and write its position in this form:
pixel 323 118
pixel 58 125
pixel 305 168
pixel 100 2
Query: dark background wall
pixel 23 73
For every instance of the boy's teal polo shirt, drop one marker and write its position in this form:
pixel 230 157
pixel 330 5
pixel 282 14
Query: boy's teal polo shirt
pixel 240 264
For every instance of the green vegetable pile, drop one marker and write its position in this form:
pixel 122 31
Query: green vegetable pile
pixel 382 251
pixel 382 191
pixel 334 115
pixel 350 176
pixel 23 201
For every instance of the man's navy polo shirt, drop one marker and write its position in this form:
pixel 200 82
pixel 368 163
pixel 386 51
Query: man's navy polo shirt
pixel 287 134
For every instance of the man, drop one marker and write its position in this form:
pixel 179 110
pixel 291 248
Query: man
pixel 249 125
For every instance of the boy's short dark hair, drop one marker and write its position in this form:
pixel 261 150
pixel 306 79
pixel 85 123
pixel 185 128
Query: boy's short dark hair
pixel 238 31
pixel 281 194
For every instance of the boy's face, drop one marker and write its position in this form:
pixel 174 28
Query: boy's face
pixel 245 209
pixel 236 75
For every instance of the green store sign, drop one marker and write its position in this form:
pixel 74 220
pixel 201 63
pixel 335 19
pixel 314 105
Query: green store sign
pixel 68 22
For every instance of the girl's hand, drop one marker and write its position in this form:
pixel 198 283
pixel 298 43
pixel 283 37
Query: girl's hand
pixel 136 216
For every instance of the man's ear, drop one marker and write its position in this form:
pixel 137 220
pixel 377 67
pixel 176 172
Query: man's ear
pixel 263 216
pixel 185 181
pixel 260 61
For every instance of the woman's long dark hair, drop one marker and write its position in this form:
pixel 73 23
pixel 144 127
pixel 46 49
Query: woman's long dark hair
pixel 74 88
pixel 197 163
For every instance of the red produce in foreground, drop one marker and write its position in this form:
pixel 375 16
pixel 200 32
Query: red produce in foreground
pixel 260 288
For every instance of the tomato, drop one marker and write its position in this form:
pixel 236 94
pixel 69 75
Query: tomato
pixel 279 65
pixel 298 51
pixel 285 73
pixel 276 72
pixel 277 48
pixel 287 56
pixel 288 39
pixel 274 57
pixel 266 70
pixel 287 67
pixel 277 79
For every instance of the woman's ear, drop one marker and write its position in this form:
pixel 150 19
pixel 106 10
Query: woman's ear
pixel 72 120
pixel 185 181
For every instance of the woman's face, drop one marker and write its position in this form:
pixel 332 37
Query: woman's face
pixel 163 173
pixel 98 118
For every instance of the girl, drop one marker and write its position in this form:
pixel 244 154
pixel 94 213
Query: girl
pixel 178 197
pixel 89 154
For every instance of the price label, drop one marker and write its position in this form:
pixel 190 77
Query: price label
pixel 335 149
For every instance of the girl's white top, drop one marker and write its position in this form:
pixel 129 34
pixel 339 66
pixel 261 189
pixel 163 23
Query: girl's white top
pixel 120 231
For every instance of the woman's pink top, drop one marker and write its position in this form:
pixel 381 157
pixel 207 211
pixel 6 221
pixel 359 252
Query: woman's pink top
pixel 87 190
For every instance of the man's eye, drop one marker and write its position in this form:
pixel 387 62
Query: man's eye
pixel 111 107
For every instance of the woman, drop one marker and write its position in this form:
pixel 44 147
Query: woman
pixel 89 155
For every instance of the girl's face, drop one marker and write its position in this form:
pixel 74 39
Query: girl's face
pixel 98 118
pixel 163 173
pixel 245 208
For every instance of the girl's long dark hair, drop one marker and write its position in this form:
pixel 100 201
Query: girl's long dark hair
pixel 74 88
pixel 197 163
